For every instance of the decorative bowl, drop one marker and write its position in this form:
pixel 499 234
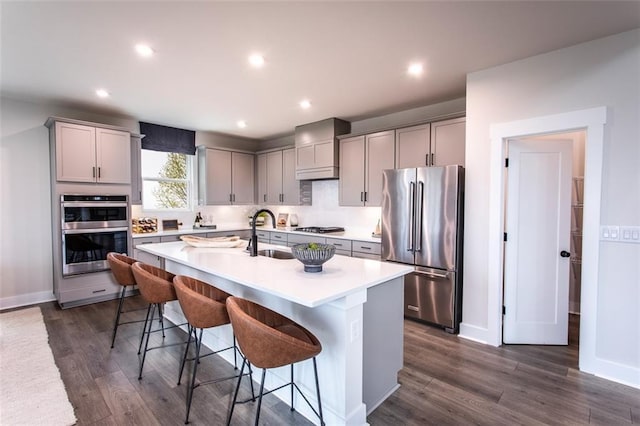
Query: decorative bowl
pixel 313 255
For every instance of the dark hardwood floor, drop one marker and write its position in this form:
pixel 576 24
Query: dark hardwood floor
pixel 446 380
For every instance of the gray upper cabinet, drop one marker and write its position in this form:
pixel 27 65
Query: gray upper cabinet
pixel 261 177
pixel 362 160
pixel 91 154
pixel 440 143
pixel 317 148
pixel 225 177
pixel 136 171
pixel 277 182
pixel 448 142
pixel 412 146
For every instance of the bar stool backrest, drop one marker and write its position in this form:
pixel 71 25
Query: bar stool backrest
pixel 120 265
pixel 155 284
pixel 202 304
pixel 267 338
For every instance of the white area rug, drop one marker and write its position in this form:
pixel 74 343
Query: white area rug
pixel 31 390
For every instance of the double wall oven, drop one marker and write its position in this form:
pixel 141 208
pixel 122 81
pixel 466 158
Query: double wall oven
pixel 92 226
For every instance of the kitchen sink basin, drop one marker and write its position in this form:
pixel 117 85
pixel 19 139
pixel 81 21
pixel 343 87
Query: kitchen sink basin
pixel 275 254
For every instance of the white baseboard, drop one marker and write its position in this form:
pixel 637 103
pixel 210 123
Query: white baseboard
pixel 610 370
pixel 473 332
pixel 26 299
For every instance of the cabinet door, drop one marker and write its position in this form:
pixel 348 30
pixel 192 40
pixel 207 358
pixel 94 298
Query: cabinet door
pixel 136 172
pixel 274 177
pixel 352 171
pixel 242 178
pixel 380 148
pixel 324 152
pixel 113 156
pixel 447 142
pixel 261 160
pixel 305 157
pixel 218 176
pixel 75 153
pixel 412 146
pixel 290 186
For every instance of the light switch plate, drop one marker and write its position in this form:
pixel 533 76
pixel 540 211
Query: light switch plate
pixel 609 232
pixel 630 234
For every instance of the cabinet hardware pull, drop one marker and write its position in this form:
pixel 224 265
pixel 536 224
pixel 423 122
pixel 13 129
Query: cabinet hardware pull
pixel 94 171
pixel 432 158
pixel 361 196
pixel 99 291
pixel 264 198
pixel 426 160
pixel 99 173
pixel 365 248
pixel 365 196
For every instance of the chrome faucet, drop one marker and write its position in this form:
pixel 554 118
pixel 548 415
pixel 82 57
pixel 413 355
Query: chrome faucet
pixel 253 241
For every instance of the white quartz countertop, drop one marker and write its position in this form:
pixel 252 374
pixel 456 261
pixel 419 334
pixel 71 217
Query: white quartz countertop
pixel 347 235
pixel 341 275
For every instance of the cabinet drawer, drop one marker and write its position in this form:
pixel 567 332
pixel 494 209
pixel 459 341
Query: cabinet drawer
pixel 99 290
pixel 278 238
pixel 262 234
pixel 366 255
pixel 344 245
pixel 343 252
pixel 299 239
pixel 366 247
pixel 146 240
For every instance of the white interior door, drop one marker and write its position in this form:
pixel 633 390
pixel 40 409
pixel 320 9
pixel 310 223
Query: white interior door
pixel 538 221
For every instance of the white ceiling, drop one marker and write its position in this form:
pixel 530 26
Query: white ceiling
pixel 348 58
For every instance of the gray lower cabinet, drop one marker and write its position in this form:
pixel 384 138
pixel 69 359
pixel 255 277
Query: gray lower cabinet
pixel 365 249
pixel 278 238
pixel 143 256
pixel 294 239
pixel 343 247
pixel 263 236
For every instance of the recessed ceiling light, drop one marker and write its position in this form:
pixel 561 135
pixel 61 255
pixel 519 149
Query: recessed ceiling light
pixel 304 104
pixel 256 60
pixel 144 50
pixel 415 69
pixel 102 93
pixel 242 124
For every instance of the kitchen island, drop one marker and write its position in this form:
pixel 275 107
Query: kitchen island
pixel 354 307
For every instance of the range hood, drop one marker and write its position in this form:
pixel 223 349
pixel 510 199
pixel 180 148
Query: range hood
pixel 318 149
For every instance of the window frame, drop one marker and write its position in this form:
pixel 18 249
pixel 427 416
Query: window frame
pixel 190 182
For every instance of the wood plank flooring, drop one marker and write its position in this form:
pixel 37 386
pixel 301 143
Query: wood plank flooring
pixel 446 380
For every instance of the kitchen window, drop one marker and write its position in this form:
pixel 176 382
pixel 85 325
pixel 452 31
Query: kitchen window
pixel 167 164
pixel 167 180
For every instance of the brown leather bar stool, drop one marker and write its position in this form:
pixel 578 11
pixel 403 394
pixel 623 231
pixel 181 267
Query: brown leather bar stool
pixel 204 307
pixel 120 265
pixel 270 340
pixel 156 287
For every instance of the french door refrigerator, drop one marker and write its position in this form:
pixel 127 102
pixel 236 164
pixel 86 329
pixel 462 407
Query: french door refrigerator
pixel 422 217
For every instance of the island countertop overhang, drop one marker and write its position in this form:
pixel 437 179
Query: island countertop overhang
pixel 341 275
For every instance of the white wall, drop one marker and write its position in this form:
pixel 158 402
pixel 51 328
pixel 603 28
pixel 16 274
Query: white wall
pixel 26 269
pixel 603 72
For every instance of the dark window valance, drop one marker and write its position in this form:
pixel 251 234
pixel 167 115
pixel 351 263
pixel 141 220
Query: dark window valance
pixel 168 139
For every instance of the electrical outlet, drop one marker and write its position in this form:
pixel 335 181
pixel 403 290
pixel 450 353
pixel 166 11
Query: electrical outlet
pixel 355 330
pixel 630 234
pixel 609 232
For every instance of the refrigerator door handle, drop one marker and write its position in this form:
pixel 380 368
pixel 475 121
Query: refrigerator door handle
pixel 412 217
pixel 418 219
pixel 432 274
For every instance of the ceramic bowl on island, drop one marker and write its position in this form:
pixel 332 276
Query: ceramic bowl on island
pixel 313 255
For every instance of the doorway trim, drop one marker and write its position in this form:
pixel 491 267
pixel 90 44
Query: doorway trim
pixel 592 121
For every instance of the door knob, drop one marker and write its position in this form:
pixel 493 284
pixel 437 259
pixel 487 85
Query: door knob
pixel 565 253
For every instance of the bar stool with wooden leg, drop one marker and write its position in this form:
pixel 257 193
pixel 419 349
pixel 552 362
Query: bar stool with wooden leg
pixel 120 265
pixel 204 307
pixel 156 287
pixel 270 340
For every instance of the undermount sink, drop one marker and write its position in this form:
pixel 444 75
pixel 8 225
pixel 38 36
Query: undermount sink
pixel 275 254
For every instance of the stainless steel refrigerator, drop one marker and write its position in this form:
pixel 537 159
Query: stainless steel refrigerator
pixel 422 217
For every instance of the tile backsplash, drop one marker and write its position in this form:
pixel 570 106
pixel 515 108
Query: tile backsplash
pixel 324 211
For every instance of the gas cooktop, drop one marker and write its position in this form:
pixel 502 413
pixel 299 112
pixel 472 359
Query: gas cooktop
pixel 320 229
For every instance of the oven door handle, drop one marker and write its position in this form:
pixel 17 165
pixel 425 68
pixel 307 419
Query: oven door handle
pixel 85 204
pixel 93 230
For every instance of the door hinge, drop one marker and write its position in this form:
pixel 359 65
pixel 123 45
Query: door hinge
pixel 504 237
pixel 504 310
pixel 506 162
